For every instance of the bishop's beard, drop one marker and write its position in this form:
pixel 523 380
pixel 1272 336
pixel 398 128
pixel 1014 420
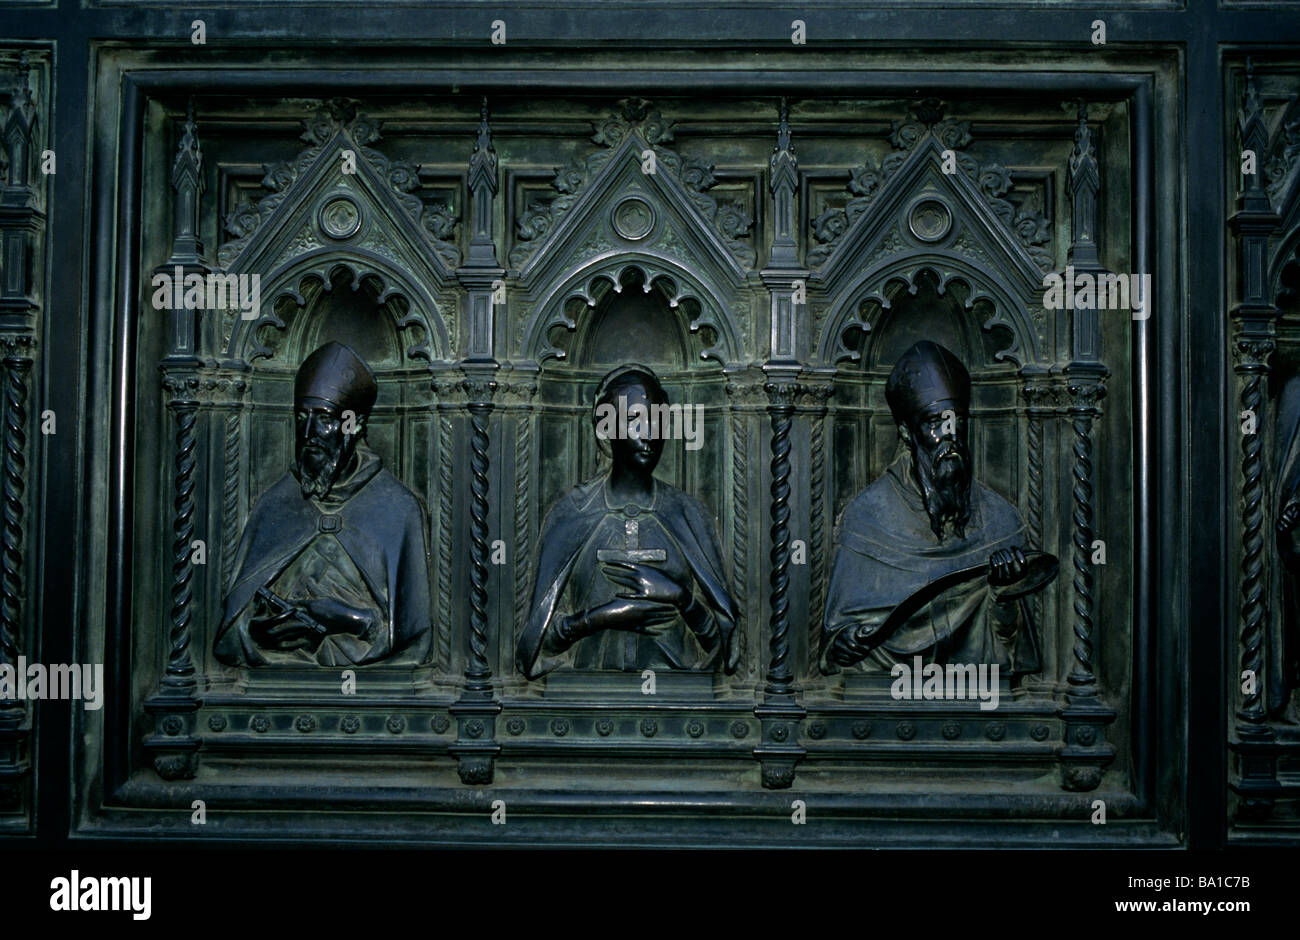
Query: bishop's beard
pixel 318 469
pixel 945 477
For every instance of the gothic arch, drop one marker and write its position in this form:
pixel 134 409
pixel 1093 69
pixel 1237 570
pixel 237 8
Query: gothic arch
pixel 706 312
pixel 949 269
pixel 429 341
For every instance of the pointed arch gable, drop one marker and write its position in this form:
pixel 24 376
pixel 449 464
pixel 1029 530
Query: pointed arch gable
pixel 921 175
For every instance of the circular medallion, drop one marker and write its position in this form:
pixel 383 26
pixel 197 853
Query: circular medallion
pixel 930 220
pixel 633 218
pixel 340 217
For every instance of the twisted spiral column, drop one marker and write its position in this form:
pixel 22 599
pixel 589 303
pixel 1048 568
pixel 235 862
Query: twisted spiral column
pixel 779 676
pixel 1251 366
pixel 11 494
pixel 1082 678
pixel 477 672
pixel 1035 486
pixel 230 497
pixel 180 667
pixel 444 539
pixel 739 504
pixel 817 524
pixel 523 480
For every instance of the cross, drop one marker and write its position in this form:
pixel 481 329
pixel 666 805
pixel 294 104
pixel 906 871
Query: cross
pixel 631 551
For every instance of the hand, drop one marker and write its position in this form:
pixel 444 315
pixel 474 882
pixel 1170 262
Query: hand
pixel 1289 517
pixel 730 649
pixel 284 631
pixel 848 647
pixel 338 617
pixel 1007 566
pixel 636 615
pixel 647 582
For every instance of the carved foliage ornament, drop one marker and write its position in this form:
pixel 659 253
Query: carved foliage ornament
pixel 340 117
pixel 731 219
pixel 991 179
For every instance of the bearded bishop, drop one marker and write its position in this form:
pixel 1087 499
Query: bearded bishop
pixel 923 518
pixel 333 566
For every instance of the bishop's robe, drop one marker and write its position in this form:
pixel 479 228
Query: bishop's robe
pixel 570 579
pixel 886 550
pixel 363 544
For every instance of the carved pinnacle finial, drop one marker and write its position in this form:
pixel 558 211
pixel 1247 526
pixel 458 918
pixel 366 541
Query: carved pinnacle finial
pixel 1084 155
pixel 484 142
pixel 783 131
pixel 188 155
pixel 1251 102
pixel 23 104
pixel 483 162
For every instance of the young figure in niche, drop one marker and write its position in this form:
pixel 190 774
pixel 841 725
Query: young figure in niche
pixel 630 575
